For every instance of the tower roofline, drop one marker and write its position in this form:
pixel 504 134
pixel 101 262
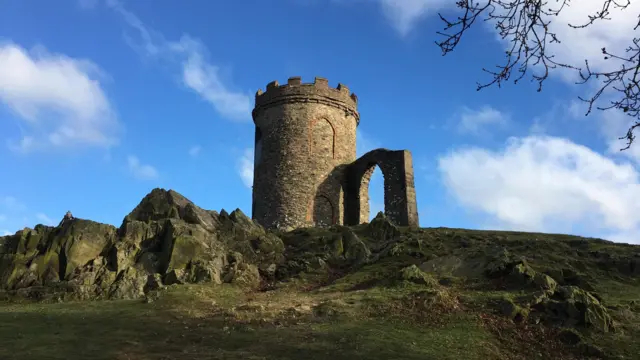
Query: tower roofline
pixel 317 92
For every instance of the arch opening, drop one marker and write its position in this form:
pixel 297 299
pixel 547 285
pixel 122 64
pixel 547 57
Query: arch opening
pixel 372 193
pixel 323 211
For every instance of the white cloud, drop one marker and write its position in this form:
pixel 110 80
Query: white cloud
pixel 245 167
pixel 613 125
pixel 58 98
pixel 405 14
pixel 5 233
pixel 475 121
pixel 12 204
pixel 141 171
pixel 44 219
pixel 548 184
pixel 196 72
pixel 195 150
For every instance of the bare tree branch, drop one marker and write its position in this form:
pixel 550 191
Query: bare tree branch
pixel 525 24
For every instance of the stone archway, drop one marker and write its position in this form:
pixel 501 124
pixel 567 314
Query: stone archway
pixel 399 191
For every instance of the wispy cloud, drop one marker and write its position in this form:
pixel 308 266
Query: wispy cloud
pixel 189 57
pixel 11 204
pixel 245 167
pixel 5 232
pixel 195 150
pixel 44 219
pixel 59 99
pixel 476 121
pixel 405 14
pixel 141 171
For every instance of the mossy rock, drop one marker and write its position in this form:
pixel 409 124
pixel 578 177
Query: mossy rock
pixel 517 272
pixel 244 275
pixel 513 311
pixel 129 284
pixel 28 240
pixel 381 229
pixel 414 275
pixel 572 306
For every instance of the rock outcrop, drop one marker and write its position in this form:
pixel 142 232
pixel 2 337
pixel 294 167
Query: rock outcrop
pixel 548 301
pixel 165 240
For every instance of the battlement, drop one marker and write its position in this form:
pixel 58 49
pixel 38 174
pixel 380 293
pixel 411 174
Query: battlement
pixel 296 91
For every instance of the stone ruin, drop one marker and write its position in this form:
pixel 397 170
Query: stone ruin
pixel 305 170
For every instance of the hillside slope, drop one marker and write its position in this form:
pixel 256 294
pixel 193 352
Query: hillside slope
pixel 184 282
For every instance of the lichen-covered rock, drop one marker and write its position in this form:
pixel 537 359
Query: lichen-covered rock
pixel 381 229
pixel 129 284
pixel 166 239
pixel 517 272
pixel 415 275
pixel 355 250
pixel 347 249
pixel 568 306
pixel 511 310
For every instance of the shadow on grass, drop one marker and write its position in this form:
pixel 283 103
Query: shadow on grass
pixel 132 330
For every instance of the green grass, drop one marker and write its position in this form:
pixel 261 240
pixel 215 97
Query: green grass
pixel 197 323
pixel 353 313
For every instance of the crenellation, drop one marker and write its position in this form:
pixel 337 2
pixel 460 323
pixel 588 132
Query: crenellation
pixel 321 83
pixel 343 89
pixel 294 80
pixel 273 85
pixel 295 91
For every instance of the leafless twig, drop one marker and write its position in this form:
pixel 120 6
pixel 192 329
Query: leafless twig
pixel 525 24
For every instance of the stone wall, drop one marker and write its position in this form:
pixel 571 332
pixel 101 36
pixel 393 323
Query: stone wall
pixel 399 190
pixel 305 133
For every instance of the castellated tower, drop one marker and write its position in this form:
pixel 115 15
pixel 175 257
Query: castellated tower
pixel 305 137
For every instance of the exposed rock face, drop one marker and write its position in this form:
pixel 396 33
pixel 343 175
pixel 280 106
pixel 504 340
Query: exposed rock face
pixel 551 303
pixel 165 240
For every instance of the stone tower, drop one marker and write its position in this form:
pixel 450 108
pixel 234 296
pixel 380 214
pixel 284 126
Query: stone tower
pixel 305 137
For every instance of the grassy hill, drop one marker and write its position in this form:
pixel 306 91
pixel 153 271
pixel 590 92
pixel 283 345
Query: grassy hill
pixel 156 289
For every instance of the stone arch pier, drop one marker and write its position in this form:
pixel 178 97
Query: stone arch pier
pixel 399 190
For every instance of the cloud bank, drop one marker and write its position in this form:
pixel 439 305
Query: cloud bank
pixel 59 100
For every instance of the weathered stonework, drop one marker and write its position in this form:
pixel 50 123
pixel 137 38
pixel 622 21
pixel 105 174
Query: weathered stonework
pixel 399 190
pixel 305 167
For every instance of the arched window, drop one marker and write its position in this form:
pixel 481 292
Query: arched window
pixel 323 211
pixel 322 138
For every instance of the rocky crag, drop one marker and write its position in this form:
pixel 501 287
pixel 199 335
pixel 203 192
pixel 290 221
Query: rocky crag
pixel 556 280
pixel 165 240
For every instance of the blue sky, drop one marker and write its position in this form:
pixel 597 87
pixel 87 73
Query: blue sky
pixel 102 101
